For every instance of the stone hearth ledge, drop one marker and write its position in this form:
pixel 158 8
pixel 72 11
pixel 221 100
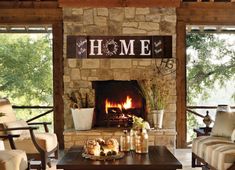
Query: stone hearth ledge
pixel 73 137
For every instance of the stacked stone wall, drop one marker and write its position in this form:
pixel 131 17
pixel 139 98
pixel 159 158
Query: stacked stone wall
pixel 79 73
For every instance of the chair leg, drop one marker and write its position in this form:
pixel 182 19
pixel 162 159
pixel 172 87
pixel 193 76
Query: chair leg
pixel 193 161
pixel 43 161
pixel 57 153
pixel 29 166
pixel 49 164
pixel 205 168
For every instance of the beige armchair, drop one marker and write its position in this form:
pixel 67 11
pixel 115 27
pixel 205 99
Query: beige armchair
pixel 38 146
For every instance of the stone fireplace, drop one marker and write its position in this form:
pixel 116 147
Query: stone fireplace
pixel 85 75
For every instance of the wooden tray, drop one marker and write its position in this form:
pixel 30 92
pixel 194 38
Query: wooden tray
pixel 103 158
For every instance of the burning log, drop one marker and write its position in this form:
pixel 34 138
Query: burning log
pixel 114 110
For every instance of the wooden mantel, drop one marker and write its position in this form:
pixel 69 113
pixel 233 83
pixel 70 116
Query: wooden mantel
pixel 119 3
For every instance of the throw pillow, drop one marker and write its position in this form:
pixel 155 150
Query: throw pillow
pixel 224 124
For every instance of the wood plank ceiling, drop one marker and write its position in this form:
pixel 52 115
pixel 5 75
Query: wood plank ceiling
pixel 28 3
pixel 29 16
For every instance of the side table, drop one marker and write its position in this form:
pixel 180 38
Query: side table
pixel 203 131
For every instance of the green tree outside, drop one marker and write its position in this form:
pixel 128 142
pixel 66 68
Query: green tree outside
pixel 210 62
pixel 26 72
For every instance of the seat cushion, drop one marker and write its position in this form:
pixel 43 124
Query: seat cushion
pixel 223 156
pixel 47 141
pixel 196 141
pixel 201 143
pixel 209 150
pixel 13 160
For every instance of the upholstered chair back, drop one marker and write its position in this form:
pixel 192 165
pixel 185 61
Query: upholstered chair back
pixel 6 109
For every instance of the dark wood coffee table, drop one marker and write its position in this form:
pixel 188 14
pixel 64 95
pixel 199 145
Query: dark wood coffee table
pixel 158 158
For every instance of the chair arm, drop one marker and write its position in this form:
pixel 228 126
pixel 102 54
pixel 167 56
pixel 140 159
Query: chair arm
pixel 7 136
pixel 10 138
pixel 19 128
pixel 41 123
pixel 32 135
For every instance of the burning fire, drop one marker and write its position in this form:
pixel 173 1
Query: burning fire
pixel 126 105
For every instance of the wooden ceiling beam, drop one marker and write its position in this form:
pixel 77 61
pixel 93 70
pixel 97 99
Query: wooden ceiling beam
pixel 206 13
pixel 207 16
pixel 208 5
pixel 28 4
pixel 119 3
pixel 32 16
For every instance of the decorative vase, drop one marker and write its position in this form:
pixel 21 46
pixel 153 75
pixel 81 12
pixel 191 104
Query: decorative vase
pixel 141 141
pixel 207 119
pixel 82 118
pixel 157 118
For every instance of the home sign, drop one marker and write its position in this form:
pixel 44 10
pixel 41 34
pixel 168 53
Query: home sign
pixel 119 46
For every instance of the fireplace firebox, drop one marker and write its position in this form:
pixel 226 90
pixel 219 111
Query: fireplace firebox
pixel 117 101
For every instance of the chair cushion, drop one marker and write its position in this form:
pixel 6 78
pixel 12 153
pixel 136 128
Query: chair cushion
pixel 15 124
pixel 224 124
pixel 209 150
pixel 223 156
pixel 13 160
pixel 196 141
pixel 201 143
pixel 47 141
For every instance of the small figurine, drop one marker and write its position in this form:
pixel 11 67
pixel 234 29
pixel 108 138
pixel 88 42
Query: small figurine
pixel 207 119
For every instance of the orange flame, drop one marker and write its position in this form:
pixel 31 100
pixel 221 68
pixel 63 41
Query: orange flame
pixel 126 105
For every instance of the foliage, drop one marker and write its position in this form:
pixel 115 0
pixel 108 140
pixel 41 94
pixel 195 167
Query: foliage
pixel 212 60
pixel 156 92
pixel 26 72
pixel 26 69
pixel 191 124
pixel 139 123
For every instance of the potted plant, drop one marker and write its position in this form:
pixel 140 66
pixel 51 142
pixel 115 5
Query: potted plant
pixel 156 93
pixel 81 113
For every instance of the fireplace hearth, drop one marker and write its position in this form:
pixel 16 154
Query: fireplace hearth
pixel 117 101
